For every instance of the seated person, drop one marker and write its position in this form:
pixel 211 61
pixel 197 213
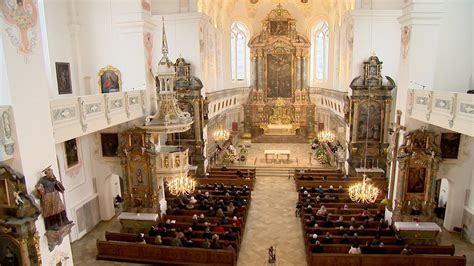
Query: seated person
pixel 406 250
pixel 345 239
pixel 355 249
pixel 317 248
pixel 328 239
pixel 313 239
pixel 322 211
pixel 331 189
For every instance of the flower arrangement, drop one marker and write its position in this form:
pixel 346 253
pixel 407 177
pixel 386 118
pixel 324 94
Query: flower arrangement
pixel 322 156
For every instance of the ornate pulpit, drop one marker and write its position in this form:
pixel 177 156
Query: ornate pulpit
pixel 279 90
pixel 368 115
pixel 19 240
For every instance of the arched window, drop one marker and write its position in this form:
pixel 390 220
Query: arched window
pixel 239 51
pixel 320 51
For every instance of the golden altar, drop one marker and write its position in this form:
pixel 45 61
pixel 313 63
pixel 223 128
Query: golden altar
pixel 280 122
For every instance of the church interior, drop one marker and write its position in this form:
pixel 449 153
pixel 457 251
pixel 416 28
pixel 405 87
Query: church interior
pixel 237 132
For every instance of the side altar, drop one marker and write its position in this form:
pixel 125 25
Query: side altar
pixel 279 102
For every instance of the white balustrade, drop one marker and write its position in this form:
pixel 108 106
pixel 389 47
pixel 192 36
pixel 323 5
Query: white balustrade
pixel 76 116
pixel 450 110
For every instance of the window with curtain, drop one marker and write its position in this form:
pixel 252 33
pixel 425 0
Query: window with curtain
pixel 238 50
pixel 320 40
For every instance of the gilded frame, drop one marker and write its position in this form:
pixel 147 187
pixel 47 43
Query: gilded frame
pixel 116 81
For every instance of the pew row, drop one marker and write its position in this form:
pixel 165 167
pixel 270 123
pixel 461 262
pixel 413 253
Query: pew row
pixel 327 259
pixel 146 253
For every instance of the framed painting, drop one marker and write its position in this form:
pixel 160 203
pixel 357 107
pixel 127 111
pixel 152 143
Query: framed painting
pixel 450 145
pixel 279 69
pixel 279 27
pixel 10 251
pixel 110 79
pixel 416 180
pixel 72 156
pixel 110 144
pixel 369 122
pixel 63 76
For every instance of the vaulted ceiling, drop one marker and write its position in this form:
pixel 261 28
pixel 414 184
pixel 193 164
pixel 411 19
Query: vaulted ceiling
pixel 253 12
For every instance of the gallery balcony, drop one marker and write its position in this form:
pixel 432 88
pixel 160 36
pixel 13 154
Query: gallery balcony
pixel 77 116
pixel 450 110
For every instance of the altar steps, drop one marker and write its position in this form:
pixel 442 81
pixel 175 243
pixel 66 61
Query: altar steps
pixel 275 171
pixel 280 139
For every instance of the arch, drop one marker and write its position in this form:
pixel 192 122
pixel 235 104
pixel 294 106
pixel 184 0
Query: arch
pixel 239 52
pixel 320 51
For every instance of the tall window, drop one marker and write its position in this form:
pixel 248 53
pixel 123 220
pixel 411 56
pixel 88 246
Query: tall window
pixel 320 40
pixel 238 50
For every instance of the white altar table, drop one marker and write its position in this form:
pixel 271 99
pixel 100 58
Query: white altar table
pixel 413 226
pixel 279 130
pixel 138 216
pixel 133 222
pixel 277 154
pixel 418 233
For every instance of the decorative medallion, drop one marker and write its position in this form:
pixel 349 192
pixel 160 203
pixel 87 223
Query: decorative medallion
pixel 23 16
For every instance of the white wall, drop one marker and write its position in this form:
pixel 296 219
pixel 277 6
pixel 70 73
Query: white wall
pixel 375 31
pixel 458 173
pixel 443 192
pixel 455 45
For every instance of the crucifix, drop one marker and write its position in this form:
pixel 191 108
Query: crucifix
pixel 394 130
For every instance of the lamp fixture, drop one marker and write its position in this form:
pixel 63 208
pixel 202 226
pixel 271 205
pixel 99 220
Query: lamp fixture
pixel 363 192
pixel 326 136
pixel 182 184
pixel 221 134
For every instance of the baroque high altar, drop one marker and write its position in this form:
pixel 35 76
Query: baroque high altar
pixel 279 102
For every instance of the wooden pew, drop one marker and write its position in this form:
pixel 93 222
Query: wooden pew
pixel 389 249
pixel 145 253
pixel 380 183
pixel 334 231
pixel 387 240
pixel 328 259
pixel 227 181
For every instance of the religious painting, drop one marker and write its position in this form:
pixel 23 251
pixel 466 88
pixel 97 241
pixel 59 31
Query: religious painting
pixel 369 124
pixel 279 75
pixel 450 145
pixel 279 27
pixel 416 180
pixel 110 143
pixel 63 76
pixel 138 170
pixel 72 156
pixel 10 251
pixel 109 79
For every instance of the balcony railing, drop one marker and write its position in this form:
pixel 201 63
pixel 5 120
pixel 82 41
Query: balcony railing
pixel 329 100
pixel 77 116
pixel 450 110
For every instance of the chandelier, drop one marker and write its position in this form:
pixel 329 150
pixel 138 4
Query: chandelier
pixel 363 192
pixel 182 184
pixel 221 134
pixel 326 136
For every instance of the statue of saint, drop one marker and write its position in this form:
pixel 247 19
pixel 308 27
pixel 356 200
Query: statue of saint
pixel 53 210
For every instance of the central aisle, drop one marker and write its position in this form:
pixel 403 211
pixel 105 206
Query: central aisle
pixel 271 222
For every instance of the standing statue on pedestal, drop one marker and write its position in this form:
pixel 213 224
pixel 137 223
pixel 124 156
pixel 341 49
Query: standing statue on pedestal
pixel 53 210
